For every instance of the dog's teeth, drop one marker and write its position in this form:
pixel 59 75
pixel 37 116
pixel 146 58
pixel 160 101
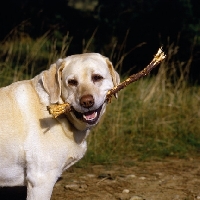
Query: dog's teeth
pixel 91 116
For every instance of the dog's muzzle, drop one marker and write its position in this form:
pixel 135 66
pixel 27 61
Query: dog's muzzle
pixel 90 117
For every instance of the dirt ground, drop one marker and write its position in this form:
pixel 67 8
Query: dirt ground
pixel 167 180
pixel 170 179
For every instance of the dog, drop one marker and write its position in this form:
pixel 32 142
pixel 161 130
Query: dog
pixel 36 148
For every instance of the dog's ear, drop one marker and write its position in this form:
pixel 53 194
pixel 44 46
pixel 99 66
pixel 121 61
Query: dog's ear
pixel 114 74
pixel 51 80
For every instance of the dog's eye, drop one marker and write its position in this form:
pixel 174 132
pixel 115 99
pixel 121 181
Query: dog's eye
pixel 96 78
pixel 73 82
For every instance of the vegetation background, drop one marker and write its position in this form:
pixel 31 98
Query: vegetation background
pixel 155 117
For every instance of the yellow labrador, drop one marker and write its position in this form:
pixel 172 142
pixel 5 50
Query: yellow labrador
pixel 36 148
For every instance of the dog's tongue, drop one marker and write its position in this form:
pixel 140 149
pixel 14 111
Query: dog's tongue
pixel 90 115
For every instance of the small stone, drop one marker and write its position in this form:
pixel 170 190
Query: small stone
pixel 91 175
pixel 159 174
pixel 142 178
pixel 83 186
pixel 198 197
pixel 136 198
pixel 131 176
pixel 126 191
pixel 57 185
pixel 121 196
pixel 72 186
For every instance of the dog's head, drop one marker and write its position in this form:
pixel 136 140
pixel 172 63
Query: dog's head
pixel 83 81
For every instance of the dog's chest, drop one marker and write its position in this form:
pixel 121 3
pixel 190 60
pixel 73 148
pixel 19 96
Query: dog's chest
pixel 53 151
pixel 74 155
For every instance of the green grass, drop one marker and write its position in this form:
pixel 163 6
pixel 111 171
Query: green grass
pixel 155 117
pixel 165 125
pixel 23 57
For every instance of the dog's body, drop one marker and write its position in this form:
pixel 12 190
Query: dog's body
pixel 34 147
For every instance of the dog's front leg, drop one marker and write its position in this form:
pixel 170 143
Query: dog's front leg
pixel 41 187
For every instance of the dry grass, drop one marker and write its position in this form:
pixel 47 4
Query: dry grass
pixel 23 57
pixel 157 116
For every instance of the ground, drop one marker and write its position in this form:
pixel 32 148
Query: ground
pixel 153 180
pixel 169 179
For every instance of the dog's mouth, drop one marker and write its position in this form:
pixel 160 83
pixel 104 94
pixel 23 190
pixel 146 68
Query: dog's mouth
pixel 89 117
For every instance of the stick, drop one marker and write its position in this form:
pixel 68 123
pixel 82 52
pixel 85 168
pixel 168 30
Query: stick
pixel 59 109
pixel 158 58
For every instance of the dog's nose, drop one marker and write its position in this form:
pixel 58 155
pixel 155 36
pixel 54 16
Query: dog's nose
pixel 87 101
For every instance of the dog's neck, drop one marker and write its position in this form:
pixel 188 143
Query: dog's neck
pixel 79 135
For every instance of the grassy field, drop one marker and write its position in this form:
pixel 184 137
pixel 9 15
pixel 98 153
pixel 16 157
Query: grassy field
pixel 155 117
